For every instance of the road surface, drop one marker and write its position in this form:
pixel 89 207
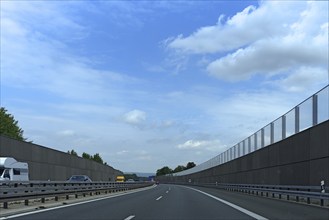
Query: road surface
pixel 178 202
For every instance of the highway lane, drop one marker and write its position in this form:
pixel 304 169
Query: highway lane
pixel 179 202
pixel 271 208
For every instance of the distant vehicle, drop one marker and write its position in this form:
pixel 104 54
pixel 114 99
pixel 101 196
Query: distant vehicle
pixel 12 170
pixel 120 179
pixel 79 178
pixel 130 181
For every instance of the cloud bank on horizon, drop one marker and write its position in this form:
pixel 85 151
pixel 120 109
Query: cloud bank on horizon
pixel 153 84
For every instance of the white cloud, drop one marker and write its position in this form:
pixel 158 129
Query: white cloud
pixel 302 79
pixel 270 39
pixel 267 57
pixel 209 145
pixel 245 27
pixel 135 117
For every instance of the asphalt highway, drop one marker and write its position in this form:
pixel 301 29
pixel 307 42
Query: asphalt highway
pixel 178 202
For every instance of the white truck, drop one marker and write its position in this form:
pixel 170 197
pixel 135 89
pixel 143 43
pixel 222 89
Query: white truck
pixel 12 170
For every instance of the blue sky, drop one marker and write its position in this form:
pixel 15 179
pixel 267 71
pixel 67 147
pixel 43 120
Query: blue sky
pixel 149 84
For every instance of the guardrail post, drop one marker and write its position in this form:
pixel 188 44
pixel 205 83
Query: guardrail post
pixel 5 205
pixel 297 197
pixel 323 189
pixel 43 200
pixel 26 202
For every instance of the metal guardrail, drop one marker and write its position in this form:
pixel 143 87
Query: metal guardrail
pixel 299 193
pixel 309 113
pixel 16 191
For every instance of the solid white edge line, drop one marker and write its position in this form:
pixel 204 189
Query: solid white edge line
pixel 130 217
pixel 73 204
pixel 252 214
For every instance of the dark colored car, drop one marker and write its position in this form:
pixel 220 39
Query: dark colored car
pixel 79 178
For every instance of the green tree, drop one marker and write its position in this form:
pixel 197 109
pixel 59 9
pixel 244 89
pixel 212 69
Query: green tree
pixel 97 158
pixel 9 126
pixel 72 152
pixel 179 168
pixel 86 156
pixel 131 176
pixel 190 165
pixel 164 171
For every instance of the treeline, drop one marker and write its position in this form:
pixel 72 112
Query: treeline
pixel 134 177
pixel 166 170
pixel 96 157
pixel 9 126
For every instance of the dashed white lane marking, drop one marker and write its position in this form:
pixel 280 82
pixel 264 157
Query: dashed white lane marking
pixel 130 217
pixel 167 191
pixel 159 198
pixel 247 212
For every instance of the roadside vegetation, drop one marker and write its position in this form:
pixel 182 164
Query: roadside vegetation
pixel 9 126
pixel 166 170
pixel 96 157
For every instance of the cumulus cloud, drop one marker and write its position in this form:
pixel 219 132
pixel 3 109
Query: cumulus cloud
pixel 261 42
pixel 236 32
pixel 209 145
pixel 135 117
pixel 302 78
pixel 268 56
